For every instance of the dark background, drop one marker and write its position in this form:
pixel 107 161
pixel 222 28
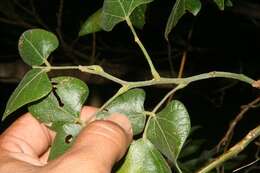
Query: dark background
pixel 221 40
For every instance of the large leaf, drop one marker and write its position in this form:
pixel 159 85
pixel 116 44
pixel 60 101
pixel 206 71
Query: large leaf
pixel 116 11
pixel 178 10
pixel 131 104
pixel 169 129
pixel 34 86
pixel 143 157
pixel 35 46
pixel 64 103
pixel 66 133
pixel 92 24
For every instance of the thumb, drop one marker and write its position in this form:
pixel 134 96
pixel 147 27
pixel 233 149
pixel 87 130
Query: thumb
pixel 98 146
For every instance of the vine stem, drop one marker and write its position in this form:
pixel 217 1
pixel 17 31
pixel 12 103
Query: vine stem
pixel 232 152
pixel 97 70
pixel 140 44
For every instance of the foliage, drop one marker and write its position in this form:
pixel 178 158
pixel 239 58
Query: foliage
pixel 58 101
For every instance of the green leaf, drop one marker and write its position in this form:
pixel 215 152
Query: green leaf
pixel 35 46
pixel 169 129
pixel 138 16
pixel 116 11
pixel 92 24
pixel 66 133
pixel 228 3
pixel 220 4
pixel 131 104
pixel 178 10
pixel 64 103
pixel 34 86
pixel 143 157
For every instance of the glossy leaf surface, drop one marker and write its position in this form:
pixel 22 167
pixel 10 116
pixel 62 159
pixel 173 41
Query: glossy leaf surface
pixel 143 157
pixel 178 10
pixel 169 129
pixel 64 103
pixel 66 133
pixel 34 86
pixel 35 46
pixel 131 104
pixel 116 11
pixel 92 24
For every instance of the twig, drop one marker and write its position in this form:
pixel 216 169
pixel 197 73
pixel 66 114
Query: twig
pixel 228 136
pixel 232 152
pixel 154 72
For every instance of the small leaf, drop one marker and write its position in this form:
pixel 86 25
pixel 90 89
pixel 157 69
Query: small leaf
pixel 35 46
pixel 138 16
pixel 228 3
pixel 66 133
pixel 143 157
pixel 178 10
pixel 92 24
pixel 130 104
pixel 64 103
pixel 34 86
pixel 169 129
pixel 220 4
pixel 116 11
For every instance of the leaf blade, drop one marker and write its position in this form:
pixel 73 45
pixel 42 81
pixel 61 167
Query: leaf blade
pixel 64 103
pixel 178 10
pixel 92 24
pixel 169 129
pixel 35 46
pixel 143 157
pixel 130 104
pixel 26 91
pixel 116 11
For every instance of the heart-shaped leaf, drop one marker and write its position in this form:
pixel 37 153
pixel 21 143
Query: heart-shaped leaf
pixel 64 103
pixel 92 24
pixel 178 10
pixel 130 104
pixel 66 133
pixel 35 46
pixel 143 157
pixel 116 11
pixel 34 86
pixel 169 129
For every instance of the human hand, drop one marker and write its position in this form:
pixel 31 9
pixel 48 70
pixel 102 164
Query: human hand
pixel 25 145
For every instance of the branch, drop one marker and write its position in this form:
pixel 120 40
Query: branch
pixel 233 124
pixel 232 152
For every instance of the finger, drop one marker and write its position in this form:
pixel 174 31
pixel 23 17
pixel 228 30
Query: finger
pixel 26 135
pixel 97 147
pixel 88 114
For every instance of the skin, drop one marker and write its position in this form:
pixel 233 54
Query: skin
pixel 24 146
